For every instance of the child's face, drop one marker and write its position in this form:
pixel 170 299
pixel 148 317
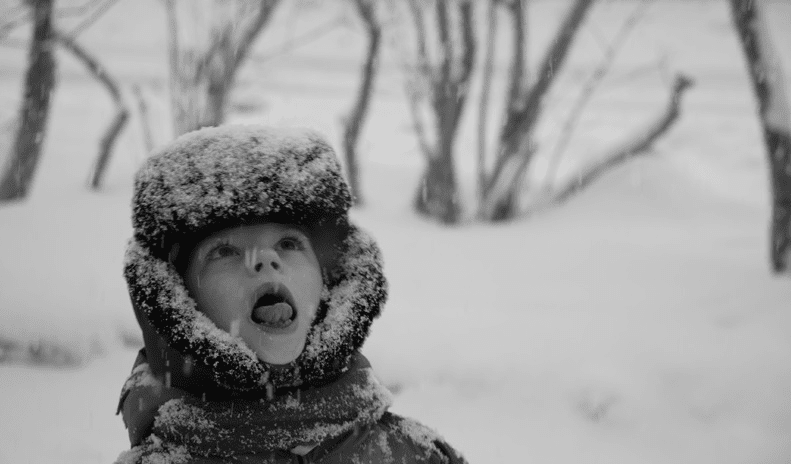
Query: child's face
pixel 260 282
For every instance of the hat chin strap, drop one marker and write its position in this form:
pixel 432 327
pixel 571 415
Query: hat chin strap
pixel 354 294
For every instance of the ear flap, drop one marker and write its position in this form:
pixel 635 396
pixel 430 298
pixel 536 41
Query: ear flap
pixel 357 293
pixel 159 295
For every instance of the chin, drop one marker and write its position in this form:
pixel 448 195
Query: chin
pixel 279 356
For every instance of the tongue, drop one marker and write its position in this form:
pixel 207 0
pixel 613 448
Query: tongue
pixel 276 314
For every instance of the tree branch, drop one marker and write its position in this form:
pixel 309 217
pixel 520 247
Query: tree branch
pixel 122 112
pixel 418 125
pixel 486 83
pixel 517 74
pixel 443 82
pixel 519 122
pixel 97 13
pixel 468 40
pixel 420 76
pixel 142 108
pixel 553 61
pixel 104 5
pixel 633 147
pixel 365 9
pixel 458 86
pixel 248 35
pixel 421 44
pixel 296 42
pixel 590 86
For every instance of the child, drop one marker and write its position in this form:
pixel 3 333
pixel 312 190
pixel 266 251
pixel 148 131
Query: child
pixel 254 293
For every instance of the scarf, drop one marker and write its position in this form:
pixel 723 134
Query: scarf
pixel 186 426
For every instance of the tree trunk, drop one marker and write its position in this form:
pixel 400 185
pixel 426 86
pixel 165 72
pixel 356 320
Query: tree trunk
pixel 436 194
pixel 18 172
pixel 486 85
pixel 357 116
pixel 774 111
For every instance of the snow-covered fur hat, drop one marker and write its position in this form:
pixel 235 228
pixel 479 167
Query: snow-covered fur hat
pixel 227 176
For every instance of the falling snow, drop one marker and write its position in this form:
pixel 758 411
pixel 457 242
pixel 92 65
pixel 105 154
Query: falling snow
pixel 649 306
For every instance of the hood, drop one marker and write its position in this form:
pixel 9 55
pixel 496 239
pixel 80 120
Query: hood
pixel 216 178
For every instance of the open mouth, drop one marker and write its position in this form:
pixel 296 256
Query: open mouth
pixel 274 308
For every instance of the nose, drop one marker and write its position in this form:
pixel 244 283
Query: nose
pixel 264 258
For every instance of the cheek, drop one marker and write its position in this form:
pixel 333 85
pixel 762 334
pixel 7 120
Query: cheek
pixel 217 296
pixel 311 283
pixel 317 285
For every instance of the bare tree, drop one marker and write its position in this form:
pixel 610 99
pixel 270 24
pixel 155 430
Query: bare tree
pixel 438 91
pixel 523 107
pixel 17 174
pixel 353 123
pixel 775 115
pixel 209 40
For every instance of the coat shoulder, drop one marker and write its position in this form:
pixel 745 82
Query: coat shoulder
pixel 406 440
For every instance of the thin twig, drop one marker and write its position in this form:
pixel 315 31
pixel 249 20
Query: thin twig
pixel 250 33
pixel 142 107
pixel 12 23
pixel 297 42
pixel 634 145
pixel 65 12
pixel 423 73
pixel 76 10
pixel 593 81
pixel 516 82
pixel 87 22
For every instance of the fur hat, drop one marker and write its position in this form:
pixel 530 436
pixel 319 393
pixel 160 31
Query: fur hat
pixel 227 176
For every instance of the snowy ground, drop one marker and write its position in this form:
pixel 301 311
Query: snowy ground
pixel 639 323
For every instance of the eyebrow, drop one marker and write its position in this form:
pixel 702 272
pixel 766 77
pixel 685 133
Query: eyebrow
pixel 209 244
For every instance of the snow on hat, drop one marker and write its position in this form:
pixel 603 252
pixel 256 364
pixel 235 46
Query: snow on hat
pixel 226 176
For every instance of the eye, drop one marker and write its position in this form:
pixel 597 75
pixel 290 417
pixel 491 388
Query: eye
pixel 223 250
pixel 292 243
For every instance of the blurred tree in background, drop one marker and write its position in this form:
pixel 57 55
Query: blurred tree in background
pixel 438 87
pixel 524 103
pixel 353 123
pixel 439 76
pixel 31 127
pixel 775 115
pixel 208 42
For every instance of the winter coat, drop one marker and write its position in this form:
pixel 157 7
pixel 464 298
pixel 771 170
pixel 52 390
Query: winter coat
pixel 372 435
pixel 201 395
